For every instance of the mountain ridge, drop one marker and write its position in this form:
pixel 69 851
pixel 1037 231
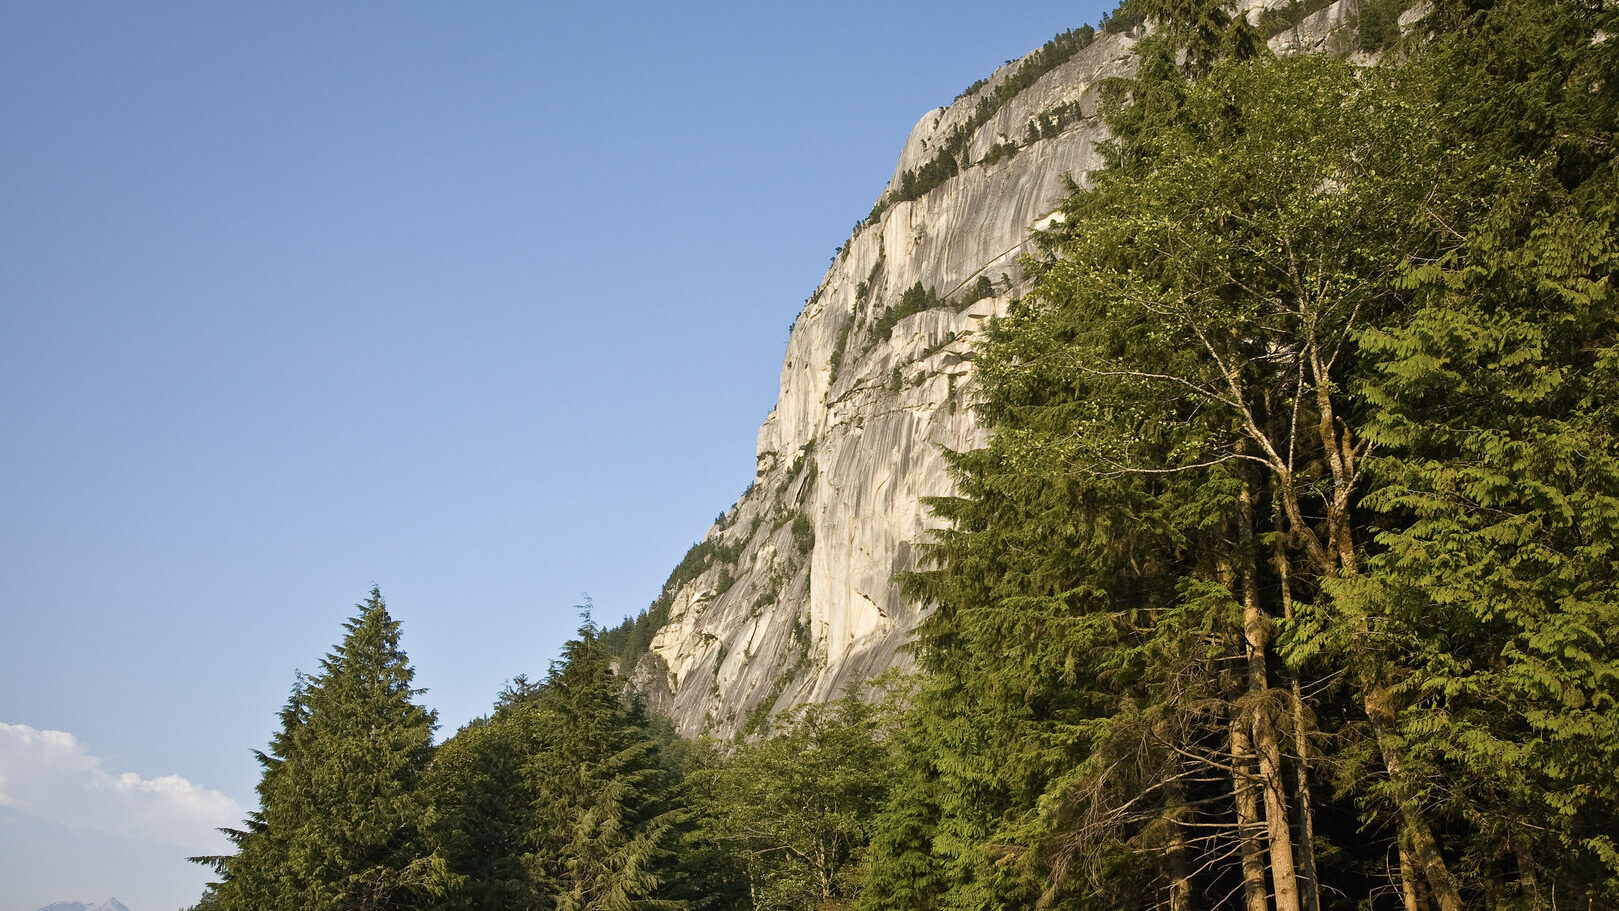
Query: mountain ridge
pixel 111 904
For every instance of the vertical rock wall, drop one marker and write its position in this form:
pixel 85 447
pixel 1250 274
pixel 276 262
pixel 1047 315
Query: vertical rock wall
pixel 798 599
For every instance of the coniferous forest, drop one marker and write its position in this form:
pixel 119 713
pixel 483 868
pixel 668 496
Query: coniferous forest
pixel 1288 580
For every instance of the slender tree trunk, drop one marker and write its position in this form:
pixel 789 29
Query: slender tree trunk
pixel 1256 637
pixel 1424 849
pixel 1249 827
pixel 1282 871
pixel 824 869
pixel 1180 873
pixel 1309 883
pixel 1425 853
pixel 1179 869
pixel 1408 878
pixel 1530 883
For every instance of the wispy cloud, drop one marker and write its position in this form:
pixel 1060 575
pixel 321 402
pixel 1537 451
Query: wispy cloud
pixel 52 775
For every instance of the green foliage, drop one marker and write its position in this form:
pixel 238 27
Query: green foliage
pixel 1054 53
pixel 916 299
pixel 979 290
pixel 877 209
pixel 1492 405
pixel 1052 122
pixel 803 534
pixel 1124 18
pixel 1337 351
pixel 1204 31
pixel 998 152
pixel 805 456
pixel 339 803
pixel 632 638
pixel 797 807
pixel 835 362
pixel 951 157
pixel 943 343
pixel 561 799
pixel 1377 26
pixel 1278 19
pixel 971 89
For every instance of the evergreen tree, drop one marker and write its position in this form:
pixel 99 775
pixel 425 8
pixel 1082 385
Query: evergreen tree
pixel 482 821
pixel 562 798
pixel 798 807
pixel 339 805
pixel 1304 462
pixel 1498 477
pixel 605 807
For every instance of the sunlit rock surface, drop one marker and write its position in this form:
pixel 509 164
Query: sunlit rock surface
pixel 809 605
pixel 801 601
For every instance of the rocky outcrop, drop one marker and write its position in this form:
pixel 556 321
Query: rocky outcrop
pixel 791 597
pixel 798 597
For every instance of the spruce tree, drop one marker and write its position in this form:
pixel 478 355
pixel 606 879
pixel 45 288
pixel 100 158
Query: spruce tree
pixel 337 827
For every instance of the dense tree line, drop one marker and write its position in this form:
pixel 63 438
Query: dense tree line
pixel 1288 579
pixel 566 797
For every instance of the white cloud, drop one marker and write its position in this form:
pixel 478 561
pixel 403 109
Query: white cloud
pixel 53 776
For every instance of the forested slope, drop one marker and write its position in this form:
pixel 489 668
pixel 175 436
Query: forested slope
pixel 1285 579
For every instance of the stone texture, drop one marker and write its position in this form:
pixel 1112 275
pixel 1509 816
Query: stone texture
pixel 849 456
pixel 805 602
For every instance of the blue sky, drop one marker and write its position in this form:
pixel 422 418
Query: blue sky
pixel 483 303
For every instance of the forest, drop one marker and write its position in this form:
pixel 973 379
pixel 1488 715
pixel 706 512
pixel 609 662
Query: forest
pixel 1288 580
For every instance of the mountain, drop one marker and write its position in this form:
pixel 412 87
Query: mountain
pixel 791 596
pixel 111 904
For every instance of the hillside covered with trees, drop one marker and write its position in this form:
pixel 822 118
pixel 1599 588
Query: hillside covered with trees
pixel 1287 581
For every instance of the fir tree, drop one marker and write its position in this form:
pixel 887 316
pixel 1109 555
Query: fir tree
pixel 339 803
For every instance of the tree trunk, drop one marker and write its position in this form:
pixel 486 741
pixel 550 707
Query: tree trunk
pixel 1340 559
pixel 1425 852
pixel 1408 878
pixel 1180 874
pixel 1256 638
pixel 1309 883
pixel 1249 827
pixel 1179 871
pixel 1527 879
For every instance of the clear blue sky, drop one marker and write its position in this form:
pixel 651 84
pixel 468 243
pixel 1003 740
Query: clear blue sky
pixel 483 303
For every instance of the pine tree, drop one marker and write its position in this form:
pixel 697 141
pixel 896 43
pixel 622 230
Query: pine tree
pixel 337 827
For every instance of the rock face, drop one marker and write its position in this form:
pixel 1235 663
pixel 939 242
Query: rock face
pixel 791 597
pixel 797 599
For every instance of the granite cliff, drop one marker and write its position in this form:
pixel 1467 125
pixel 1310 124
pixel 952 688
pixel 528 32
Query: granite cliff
pixel 790 598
